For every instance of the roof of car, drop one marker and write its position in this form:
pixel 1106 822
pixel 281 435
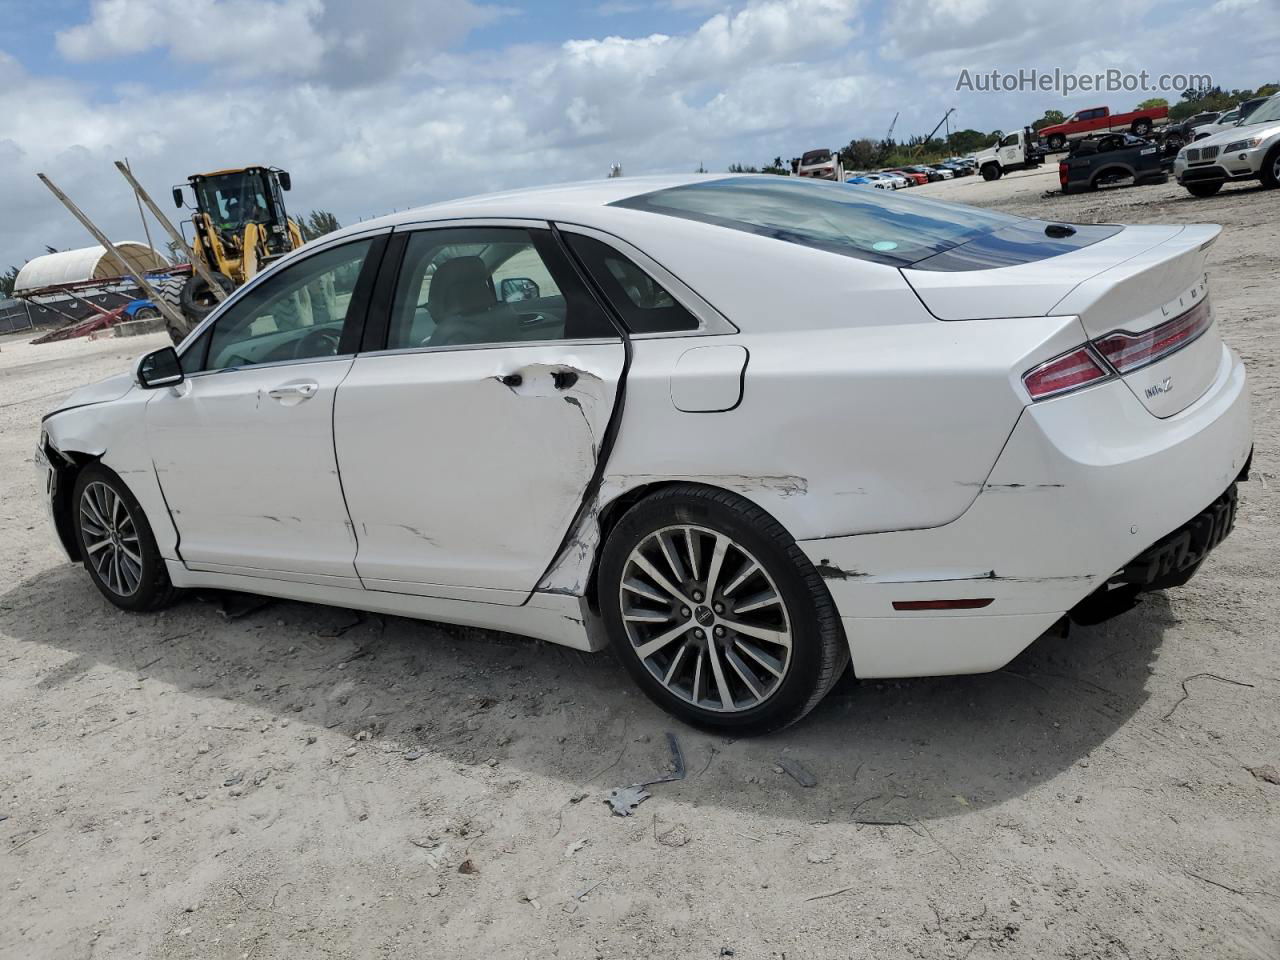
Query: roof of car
pixel 537 202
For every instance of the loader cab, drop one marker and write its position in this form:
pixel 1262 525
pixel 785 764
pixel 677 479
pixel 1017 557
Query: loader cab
pixel 231 200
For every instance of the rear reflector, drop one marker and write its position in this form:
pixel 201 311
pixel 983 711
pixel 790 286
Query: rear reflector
pixel 975 603
pixel 1132 351
pixel 1071 371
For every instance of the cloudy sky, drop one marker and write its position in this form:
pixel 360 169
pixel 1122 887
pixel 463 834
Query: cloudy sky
pixel 374 105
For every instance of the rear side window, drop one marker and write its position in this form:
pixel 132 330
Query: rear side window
pixel 644 304
pixel 870 225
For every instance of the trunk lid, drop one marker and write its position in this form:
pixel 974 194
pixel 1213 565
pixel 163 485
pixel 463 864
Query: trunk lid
pixel 1141 281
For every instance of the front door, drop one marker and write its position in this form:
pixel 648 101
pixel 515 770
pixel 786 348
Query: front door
pixel 243 448
pixel 467 441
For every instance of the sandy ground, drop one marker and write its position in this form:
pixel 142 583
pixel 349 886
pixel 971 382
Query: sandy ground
pixel 304 782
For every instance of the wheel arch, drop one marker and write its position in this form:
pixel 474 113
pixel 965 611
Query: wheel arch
pixel 67 466
pixel 613 511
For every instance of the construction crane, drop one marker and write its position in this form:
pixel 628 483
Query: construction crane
pixel 919 147
pixel 888 139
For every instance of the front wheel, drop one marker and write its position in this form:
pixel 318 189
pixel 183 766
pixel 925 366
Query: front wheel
pixel 1270 172
pixel 991 171
pixel 1203 189
pixel 116 542
pixel 716 612
pixel 1141 128
pixel 1057 142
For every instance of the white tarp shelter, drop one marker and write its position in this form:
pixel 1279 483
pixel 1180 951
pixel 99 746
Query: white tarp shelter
pixel 87 263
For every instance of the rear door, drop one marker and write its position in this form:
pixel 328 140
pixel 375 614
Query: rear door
pixel 469 431
pixel 243 448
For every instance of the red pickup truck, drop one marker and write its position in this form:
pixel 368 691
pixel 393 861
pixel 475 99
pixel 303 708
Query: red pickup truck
pixel 1100 120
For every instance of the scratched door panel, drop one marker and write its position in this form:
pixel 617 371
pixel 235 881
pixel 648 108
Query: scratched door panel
pixel 458 481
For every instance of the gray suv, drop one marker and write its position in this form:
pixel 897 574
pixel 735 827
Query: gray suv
pixel 1250 150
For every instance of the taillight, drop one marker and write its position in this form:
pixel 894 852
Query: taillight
pixel 1132 351
pixel 1062 174
pixel 1071 371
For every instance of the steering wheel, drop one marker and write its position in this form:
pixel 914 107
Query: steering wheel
pixel 317 343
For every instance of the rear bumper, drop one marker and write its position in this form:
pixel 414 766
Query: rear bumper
pixel 1085 484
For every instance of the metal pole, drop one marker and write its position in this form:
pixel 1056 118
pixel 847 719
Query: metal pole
pixel 178 321
pixel 142 216
pixel 174 234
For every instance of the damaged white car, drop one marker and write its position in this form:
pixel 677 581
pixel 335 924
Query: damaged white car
pixel 744 430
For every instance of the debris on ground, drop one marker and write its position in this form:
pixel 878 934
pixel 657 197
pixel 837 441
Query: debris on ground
pixel 467 868
pixel 798 772
pixel 413 754
pixel 1266 772
pixel 575 847
pixel 624 800
pixel 237 605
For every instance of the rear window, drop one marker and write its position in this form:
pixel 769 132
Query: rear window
pixel 860 222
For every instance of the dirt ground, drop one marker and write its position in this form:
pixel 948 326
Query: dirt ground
pixel 301 781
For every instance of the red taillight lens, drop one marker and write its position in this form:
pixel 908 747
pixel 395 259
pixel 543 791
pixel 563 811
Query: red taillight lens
pixel 1132 351
pixel 1062 175
pixel 1071 371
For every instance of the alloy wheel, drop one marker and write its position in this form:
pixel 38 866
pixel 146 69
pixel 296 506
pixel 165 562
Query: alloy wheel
pixel 705 618
pixel 110 537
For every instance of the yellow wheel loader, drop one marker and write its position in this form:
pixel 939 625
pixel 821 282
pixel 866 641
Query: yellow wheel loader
pixel 239 225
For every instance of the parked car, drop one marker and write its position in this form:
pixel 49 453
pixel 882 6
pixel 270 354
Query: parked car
pixel 930 175
pixel 1099 120
pixel 1111 160
pixel 957 168
pixel 914 177
pixel 868 180
pixel 821 164
pixel 1249 150
pixel 1224 122
pixel 370 423
pixel 946 172
pixel 898 180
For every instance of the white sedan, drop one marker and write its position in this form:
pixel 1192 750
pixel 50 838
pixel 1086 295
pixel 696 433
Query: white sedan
pixel 742 429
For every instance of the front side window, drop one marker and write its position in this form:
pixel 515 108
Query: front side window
pixel 299 313
pixel 1009 141
pixel 471 286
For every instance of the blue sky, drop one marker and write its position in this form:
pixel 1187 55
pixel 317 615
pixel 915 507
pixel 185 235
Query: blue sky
pixel 382 104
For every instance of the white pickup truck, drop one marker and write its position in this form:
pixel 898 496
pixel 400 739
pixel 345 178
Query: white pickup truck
pixel 1019 150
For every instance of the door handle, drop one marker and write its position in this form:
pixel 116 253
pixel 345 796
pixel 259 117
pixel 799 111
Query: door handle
pixel 294 391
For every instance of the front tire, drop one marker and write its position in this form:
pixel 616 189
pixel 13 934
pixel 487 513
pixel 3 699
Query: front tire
pixel 991 171
pixel 1057 142
pixel 1141 128
pixel 717 614
pixel 116 543
pixel 1270 172
pixel 1203 189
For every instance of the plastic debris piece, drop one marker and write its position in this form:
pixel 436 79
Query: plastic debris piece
pixel 798 773
pixel 624 800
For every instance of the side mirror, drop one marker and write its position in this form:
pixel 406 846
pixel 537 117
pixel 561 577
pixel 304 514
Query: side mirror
pixel 160 368
pixel 286 181
pixel 177 197
pixel 515 289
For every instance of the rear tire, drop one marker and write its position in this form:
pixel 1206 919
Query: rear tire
pixel 753 640
pixel 146 313
pixel 116 543
pixel 1141 128
pixel 1057 142
pixel 1203 189
pixel 991 171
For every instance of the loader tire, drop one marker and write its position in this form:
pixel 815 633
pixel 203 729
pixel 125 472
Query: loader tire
pixel 198 299
pixel 170 291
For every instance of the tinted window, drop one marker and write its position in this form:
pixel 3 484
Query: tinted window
pixel 1010 140
pixel 298 313
pixel 870 225
pixel 468 286
pixel 643 303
